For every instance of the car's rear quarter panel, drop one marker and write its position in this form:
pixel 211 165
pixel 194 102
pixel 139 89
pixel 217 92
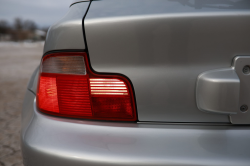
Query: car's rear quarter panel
pixel 67 33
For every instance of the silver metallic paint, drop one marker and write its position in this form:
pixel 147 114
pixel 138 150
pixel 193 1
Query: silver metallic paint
pixel 77 1
pixel 218 91
pixel 50 141
pixel 162 46
pixel 32 85
pixel 54 141
pixel 240 117
pixel 67 33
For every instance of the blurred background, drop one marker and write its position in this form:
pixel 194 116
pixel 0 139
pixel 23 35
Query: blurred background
pixel 23 28
pixel 29 20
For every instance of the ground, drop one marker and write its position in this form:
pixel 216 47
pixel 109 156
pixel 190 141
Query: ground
pixel 17 63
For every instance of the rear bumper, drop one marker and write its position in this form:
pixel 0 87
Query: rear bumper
pixel 55 141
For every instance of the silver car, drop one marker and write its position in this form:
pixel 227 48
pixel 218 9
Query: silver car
pixel 142 83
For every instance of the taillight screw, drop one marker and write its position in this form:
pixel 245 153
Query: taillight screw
pixel 244 108
pixel 246 70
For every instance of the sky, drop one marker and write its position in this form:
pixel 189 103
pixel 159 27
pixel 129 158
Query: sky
pixel 43 12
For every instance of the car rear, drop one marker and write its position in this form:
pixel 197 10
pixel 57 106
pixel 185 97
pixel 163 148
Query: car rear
pixel 119 84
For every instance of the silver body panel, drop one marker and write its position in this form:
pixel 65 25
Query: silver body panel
pixel 32 85
pixel 54 141
pixel 77 1
pixel 218 91
pixel 242 117
pixel 67 33
pixel 162 46
pixel 225 91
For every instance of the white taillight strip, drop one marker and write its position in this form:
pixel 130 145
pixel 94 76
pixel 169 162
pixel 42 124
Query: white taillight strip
pixel 97 79
pixel 120 82
pixel 107 87
pixel 109 93
pixel 100 85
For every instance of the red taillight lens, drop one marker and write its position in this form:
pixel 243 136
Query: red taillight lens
pixel 48 94
pixel 110 98
pixel 69 88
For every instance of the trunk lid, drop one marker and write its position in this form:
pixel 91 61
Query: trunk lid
pixel 163 46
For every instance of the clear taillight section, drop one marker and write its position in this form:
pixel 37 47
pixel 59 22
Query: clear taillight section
pixel 64 65
pixel 69 88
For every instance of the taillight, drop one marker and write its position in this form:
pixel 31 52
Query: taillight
pixel 69 88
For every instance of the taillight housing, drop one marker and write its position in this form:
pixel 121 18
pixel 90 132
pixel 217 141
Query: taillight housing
pixel 68 87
